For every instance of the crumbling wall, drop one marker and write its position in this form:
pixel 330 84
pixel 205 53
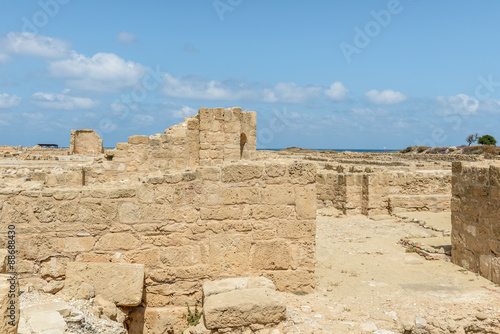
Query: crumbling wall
pixel 475 217
pixel 213 136
pixel 185 227
pixel 85 142
pixel 384 191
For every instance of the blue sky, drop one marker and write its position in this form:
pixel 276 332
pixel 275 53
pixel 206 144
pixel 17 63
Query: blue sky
pixel 320 74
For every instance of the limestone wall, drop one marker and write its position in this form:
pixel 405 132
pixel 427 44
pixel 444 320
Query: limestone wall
pixel 85 142
pixel 476 218
pixel 384 191
pixel 213 136
pixel 186 227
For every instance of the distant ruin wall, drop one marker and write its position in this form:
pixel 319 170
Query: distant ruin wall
pixel 85 142
pixel 384 192
pixel 186 227
pixel 213 136
pixel 475 217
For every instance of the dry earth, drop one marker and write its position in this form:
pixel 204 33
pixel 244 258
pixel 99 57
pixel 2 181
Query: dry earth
pixel 367 282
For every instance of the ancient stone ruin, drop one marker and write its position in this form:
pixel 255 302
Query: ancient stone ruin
pixel 158 222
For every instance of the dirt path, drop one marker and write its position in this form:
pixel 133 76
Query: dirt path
pixel 367 282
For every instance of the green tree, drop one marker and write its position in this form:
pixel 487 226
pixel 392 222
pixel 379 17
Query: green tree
pixel 487 140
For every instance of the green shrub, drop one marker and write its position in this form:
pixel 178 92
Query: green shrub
pixel 407 150
pixel 420 149
pixel 487 140
pixel 193 318
pixel 480 151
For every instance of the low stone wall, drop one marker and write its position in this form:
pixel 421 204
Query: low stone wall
pixel 475 216
pixel 384 191
pixel 185 227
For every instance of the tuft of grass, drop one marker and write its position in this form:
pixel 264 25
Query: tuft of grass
pixel 480 151
pixel 410 249
pixel 300 293
pixel 193 318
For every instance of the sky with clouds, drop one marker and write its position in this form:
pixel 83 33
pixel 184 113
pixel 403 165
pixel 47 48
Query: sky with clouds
pixel 322 74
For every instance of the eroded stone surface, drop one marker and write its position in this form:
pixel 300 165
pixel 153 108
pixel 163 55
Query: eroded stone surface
pixel 119 283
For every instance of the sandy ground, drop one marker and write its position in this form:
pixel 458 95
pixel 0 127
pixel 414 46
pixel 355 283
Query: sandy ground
pixel 367 283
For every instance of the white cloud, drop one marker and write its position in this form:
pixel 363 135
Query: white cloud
pixel 385 97
pixel 337 91
pixel 126 38
pixel 460 104
pixel 34 116
pixel 195 88
pixel 62 101
pixel 35 45
pixel 204 89
pixel 290 92
pixel 362 111
pixel 8 101
pixel 143 119
pixel 183 112
pixel 103 72
pixel 4 58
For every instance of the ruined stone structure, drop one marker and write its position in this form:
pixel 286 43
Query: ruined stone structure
pixel 85 142
pixel 476 218
pixel 199 203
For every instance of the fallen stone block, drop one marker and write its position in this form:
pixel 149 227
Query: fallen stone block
pixel 46 322
pixel 242 306
pixel 119 283
pixel 239 283
pixel 60 307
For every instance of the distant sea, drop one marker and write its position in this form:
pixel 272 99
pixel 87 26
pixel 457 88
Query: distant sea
pixel 333 149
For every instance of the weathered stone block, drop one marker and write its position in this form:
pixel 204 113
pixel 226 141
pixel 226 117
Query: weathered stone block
pixel 306 202
pixel 66 195
pixel 121 193
pixel 187 255
pixel 302 173
pixel 122 146
pixel 278 194
pixel 157 320
pixel 208 173
pixel 136 140
pixel 241 195
pixel 117 241
pixel 240 173
pixel 239 283
pixel 119 283
pixel 67 212
pixel 244 307
pixel 78 244
pixel 229 253
pixel 271 255
pixel 129 212
pixel 220 213
pixel 54 267
pixel 97 212
pixel 270 211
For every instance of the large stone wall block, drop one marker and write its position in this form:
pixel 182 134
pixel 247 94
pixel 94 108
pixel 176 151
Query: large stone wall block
pixel 241 172
pixel 119 283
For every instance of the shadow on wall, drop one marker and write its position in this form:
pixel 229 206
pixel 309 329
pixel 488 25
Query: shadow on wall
pixel 243 141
